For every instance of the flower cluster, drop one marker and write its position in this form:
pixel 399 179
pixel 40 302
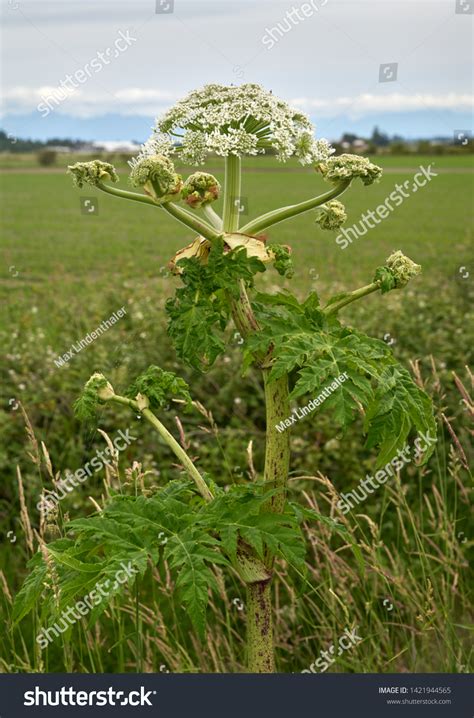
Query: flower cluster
pixel 243 120
pixel 396 273
pixel 402 268
pixel 92 173
pixel 200 189
pixel 349 167
pixel 96 390
pixel 157 176
pixel 331 215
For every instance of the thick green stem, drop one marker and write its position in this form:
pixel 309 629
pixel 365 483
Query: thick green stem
pixel 351 297
pixel 179 213
pixel 194 223
pixel 277 443
pixel 242 313
pixel 260 650
pixel 125 194
pixel 260 647
pixel 231 214
pixel 279 215
pixel 212 217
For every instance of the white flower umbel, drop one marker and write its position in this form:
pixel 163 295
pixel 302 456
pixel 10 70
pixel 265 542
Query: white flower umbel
pixel 243 120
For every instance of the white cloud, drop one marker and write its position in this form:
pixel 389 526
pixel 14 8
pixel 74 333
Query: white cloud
pixel 393 102
pixel 80 103
pixel 150 102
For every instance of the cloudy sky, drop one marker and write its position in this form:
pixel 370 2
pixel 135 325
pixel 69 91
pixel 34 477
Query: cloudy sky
pixel 129 62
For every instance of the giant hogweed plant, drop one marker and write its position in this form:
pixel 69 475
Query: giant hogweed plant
pixel 299 347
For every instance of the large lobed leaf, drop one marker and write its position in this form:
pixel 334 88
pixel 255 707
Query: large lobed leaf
pixel 315 349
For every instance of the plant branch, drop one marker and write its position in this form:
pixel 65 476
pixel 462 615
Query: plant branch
pixel 179 213
pixel 125 194
pixel 249 567
pixel 214 219
pixel 176 448
pixel 280 215
pixel 350 297
pixel 190 220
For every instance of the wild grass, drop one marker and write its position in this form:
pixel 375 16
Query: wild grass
pixel 402 579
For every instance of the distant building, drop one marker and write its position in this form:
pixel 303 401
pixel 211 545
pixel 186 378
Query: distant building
pixel 116 146
pixel 59 148
pixel 355 145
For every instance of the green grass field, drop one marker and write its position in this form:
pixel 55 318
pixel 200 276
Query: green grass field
pixel 48 239
pixel 63 272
